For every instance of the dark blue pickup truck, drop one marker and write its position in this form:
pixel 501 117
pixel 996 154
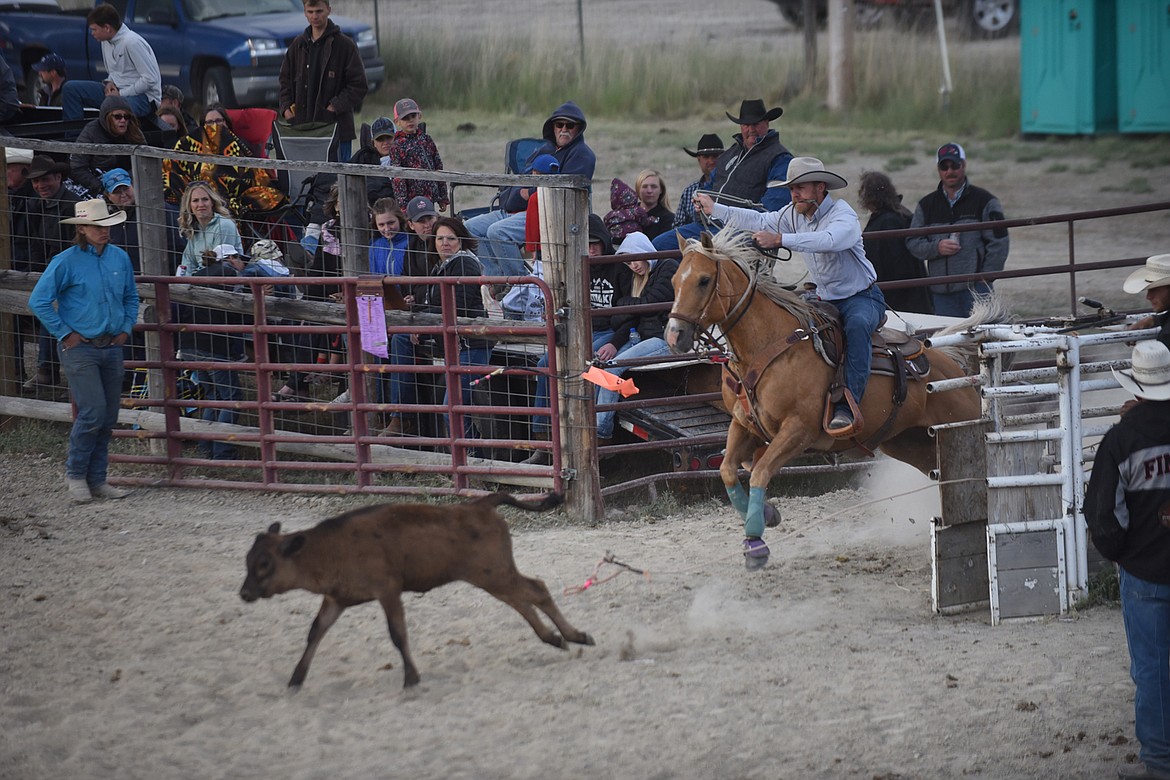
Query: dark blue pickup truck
pixel 226 51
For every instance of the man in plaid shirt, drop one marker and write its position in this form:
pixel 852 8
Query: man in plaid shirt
pixel 707 152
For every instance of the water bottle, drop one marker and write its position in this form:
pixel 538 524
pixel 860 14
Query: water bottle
pixel 181 270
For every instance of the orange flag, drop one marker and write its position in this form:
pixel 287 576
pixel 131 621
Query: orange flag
pixel 610 381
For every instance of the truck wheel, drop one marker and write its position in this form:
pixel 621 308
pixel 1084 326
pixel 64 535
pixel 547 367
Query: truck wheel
pixel 988 18
pixel 217 87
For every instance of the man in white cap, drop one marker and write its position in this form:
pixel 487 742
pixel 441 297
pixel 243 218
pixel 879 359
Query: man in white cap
pixel 1153 279
pixel 1127 509
pixel 828 232
pixel 88 301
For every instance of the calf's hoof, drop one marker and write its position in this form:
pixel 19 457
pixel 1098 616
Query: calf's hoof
pixel 410 680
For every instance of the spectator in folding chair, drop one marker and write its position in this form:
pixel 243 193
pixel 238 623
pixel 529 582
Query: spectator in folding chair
pixel 204 220
pixel 322 77
pixel 503 229
pixel 247 191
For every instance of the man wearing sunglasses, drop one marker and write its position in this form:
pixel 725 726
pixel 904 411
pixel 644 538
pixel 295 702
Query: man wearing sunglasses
pixel 958 202
pixel 503 229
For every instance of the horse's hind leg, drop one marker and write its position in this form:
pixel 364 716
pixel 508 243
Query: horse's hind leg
pixel 914 446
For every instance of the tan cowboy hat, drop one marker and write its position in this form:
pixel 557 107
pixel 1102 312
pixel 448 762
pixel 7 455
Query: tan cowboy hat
pixel 1149 377
pixel 805 169
pixel 1155 273
pixel 96 213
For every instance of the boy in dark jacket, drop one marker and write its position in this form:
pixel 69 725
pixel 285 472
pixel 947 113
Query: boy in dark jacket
pixel 322 78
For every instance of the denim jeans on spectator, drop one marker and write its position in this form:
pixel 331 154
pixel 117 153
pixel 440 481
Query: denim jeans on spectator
pixel 634 348
pixel 958 304
pixel 79 95
pixel 860 315
pixel 541 424
pixel 402 388
pixel 501 234
pixel 219 384
pixel 480 356
pixel 1145 609
pixel 665 242
pixel 95 382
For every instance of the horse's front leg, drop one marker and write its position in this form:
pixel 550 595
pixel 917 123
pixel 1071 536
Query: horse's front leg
pixel 791 440
pixel 741 445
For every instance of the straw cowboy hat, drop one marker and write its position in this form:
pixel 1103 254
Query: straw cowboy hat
pixel 14 156
pixel 1155 273
pixel 708 144
pixel 1149 377
pixel 806 169
pixel 752 111
pixel 95 213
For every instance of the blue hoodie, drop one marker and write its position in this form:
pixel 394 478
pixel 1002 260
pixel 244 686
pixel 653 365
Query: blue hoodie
pixel 576 158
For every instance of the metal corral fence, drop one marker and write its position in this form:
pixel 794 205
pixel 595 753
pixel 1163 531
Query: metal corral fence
pixel 334 436
pixel 1013 529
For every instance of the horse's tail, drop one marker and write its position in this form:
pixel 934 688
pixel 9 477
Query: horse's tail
pixel 988 309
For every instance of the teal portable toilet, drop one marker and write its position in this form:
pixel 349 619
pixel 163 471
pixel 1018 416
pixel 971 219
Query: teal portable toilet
pixel 1143 67
pixel 1068 67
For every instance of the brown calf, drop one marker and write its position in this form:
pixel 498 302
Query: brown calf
pixel 378 552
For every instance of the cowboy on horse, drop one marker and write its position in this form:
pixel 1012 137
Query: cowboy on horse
pixel 828 231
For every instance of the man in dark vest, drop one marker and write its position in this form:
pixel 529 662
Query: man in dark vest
pixel 743 171
pixel 957 201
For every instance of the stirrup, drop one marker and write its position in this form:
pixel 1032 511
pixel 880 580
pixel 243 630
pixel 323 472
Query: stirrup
pixel 849 431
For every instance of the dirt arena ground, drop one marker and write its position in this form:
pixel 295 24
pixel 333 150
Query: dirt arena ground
pixel 125 652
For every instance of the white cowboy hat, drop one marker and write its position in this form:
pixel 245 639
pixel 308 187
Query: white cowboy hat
pixel 1149 377
pixel 14 156
pixel 1155 273
pixel 94 212
pixel 804 169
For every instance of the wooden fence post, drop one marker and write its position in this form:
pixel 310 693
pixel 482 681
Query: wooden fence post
pixel 564 232
pixel 151 214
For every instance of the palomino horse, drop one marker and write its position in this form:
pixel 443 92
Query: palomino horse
pixel 775 375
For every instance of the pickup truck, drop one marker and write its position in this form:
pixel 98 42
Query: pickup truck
pixel 225 51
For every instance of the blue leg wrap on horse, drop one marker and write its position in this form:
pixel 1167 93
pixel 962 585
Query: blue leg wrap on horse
pixel 739 499
pixel 753 523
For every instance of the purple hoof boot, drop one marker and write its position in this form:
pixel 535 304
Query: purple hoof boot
pixel 771 516
pixel 755 553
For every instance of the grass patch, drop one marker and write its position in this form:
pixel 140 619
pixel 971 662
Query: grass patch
pixel 1057 168
pixel 1104 590
pixel 895 164
pixel 26 436
pixel 895 84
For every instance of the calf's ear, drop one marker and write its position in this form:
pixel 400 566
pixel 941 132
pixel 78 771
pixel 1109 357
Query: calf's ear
pixel 292 544
pixel 274 528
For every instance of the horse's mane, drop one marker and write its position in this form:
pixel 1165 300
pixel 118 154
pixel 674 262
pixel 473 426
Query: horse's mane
pixel 736 246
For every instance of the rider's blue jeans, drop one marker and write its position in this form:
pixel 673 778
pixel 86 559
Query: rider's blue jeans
pixel 860 315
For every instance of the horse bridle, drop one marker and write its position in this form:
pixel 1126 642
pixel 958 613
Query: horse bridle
pixel 735 313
